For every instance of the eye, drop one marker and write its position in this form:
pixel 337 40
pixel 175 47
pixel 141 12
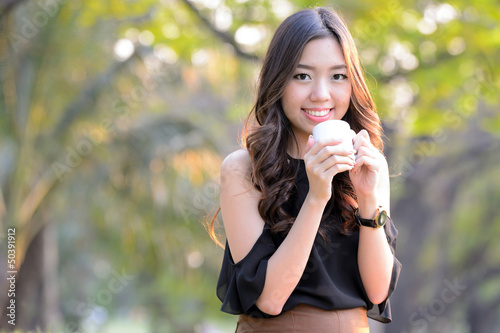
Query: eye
pixel 302 76
pixel 339 77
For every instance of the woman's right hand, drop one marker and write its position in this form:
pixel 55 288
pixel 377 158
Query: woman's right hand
pixel 323 160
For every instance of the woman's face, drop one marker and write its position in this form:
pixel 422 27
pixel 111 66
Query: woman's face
pixel 319 89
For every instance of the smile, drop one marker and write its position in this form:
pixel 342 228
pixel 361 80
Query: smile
pixel 317 113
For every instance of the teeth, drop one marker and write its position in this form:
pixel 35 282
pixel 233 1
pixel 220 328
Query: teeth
pixel 318 113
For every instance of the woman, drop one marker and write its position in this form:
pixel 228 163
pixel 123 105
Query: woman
pixel 305 249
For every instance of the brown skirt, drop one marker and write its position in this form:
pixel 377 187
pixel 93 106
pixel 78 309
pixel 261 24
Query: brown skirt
pixel 306 319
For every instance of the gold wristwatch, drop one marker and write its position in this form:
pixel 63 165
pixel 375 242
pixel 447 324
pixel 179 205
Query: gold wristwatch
pixel 378 220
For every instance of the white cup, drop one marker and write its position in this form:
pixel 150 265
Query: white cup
pixel 334 129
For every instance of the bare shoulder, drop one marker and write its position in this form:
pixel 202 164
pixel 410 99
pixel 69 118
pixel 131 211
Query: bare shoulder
pixel 239 201
pixel 237 164
pixel 238 160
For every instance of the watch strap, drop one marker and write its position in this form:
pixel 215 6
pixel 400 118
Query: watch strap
pixel 378 221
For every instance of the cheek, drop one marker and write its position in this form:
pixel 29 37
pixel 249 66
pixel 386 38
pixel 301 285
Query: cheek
pixel 285 105
pixel 345 94
pixel 290 97
pixel 285 101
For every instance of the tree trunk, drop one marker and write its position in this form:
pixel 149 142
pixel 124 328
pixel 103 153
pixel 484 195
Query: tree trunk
pixel 36 299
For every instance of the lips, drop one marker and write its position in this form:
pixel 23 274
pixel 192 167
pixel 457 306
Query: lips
pixel 317 114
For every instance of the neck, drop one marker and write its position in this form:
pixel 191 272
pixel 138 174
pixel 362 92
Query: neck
pixel 297 152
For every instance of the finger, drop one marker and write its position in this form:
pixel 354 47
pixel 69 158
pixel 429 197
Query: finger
pixel 364 133
pixel 331 141
pixel 338 168
pixel 327 169
pixel 370 151
pixel 361 142
pixel 364 151
pixel 336 159
pixel 310 143
pixel 336 150
pixel 322 150
pixel 361 139
pixel 366 160
pixel 320 144
pixel 316 147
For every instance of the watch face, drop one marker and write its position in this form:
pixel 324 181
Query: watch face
pixel 382 218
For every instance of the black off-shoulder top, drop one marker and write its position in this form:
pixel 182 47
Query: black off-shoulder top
pixel 330 281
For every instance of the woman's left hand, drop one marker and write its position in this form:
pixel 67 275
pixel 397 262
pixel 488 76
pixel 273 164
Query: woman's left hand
pixel 370 164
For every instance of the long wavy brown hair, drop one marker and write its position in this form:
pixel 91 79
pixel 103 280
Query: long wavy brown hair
pixel 267 133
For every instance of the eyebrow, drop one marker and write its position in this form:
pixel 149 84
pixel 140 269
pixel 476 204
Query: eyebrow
pixel 342 66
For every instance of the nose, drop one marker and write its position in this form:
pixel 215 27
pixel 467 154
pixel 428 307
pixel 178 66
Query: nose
pixel 320 91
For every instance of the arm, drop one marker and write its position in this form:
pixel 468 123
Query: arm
pixel 370 179
pixel 240 199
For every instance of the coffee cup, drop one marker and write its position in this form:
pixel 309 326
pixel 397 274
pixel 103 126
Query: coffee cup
pixel 337 129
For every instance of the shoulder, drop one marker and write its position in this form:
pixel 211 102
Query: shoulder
pixel 238 163
pixel 240 157
pixel 235 175
pixel 239 201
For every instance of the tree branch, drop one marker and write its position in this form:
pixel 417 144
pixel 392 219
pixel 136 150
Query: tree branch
pixel 87 96
pixel 138 20
pixel 220 34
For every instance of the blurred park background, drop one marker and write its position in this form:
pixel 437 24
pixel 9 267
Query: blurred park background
pixel 115 117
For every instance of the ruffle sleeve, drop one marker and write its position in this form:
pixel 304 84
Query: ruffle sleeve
pixel 382 311
pixel 241 284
